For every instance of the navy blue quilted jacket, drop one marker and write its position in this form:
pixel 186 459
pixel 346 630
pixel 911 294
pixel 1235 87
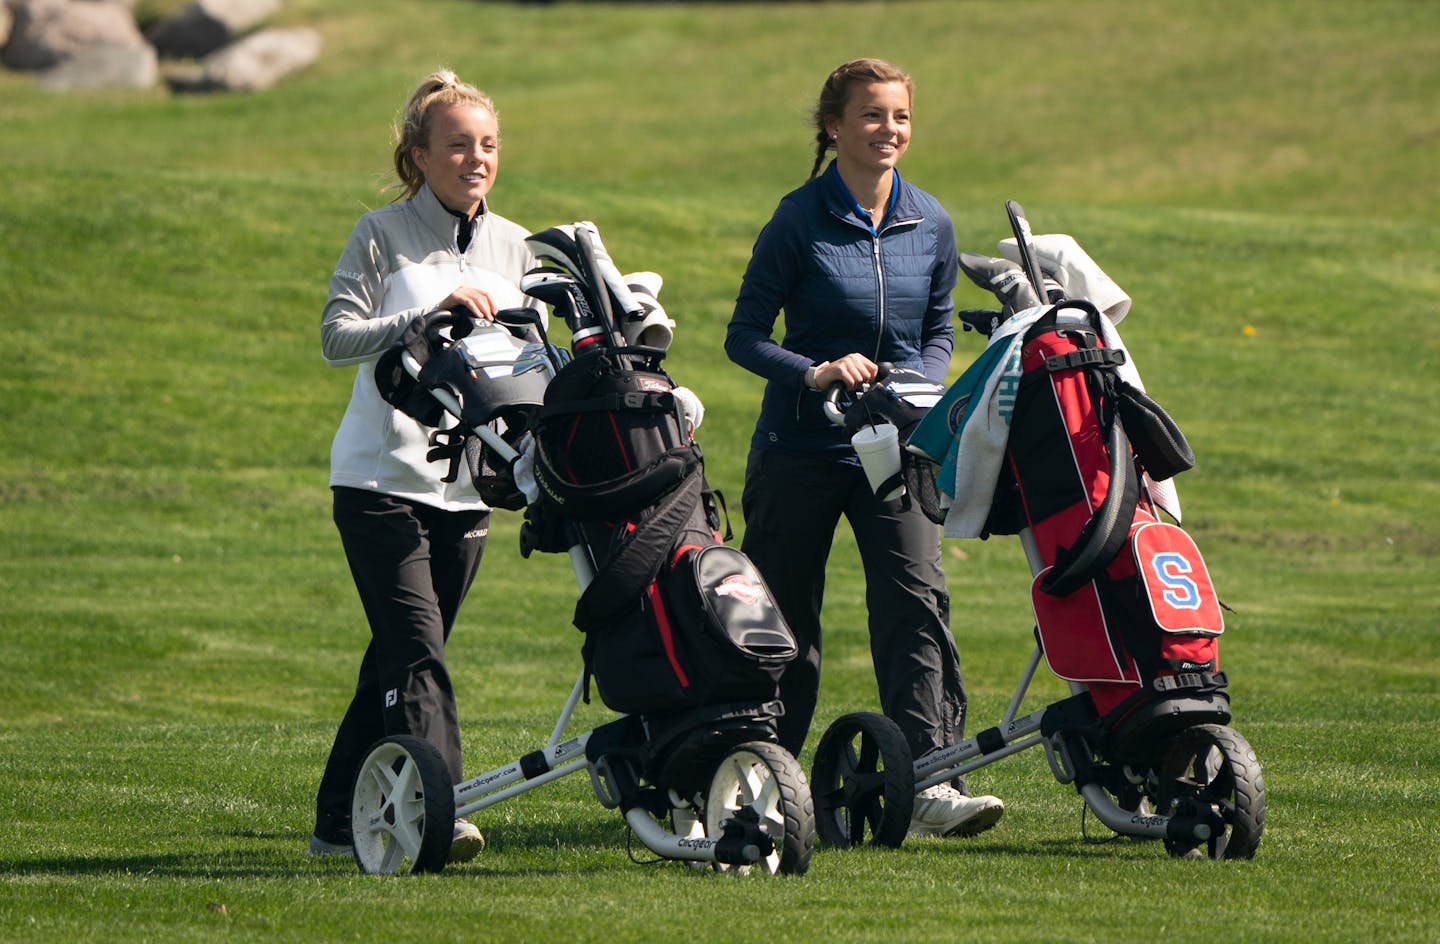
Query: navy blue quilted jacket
pixel 842 288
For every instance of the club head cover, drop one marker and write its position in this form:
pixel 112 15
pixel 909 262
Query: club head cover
pixel 625 302
pixel 1061 258
pixel 560 246
pixel 1003 278
pixel 652 327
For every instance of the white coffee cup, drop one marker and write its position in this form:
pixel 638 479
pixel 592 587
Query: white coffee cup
pixel 878 447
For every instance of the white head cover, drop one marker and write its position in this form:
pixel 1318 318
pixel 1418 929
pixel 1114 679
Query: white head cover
pixel 654 328
pixel 1061 258
pixel 545 249
pixel 613 280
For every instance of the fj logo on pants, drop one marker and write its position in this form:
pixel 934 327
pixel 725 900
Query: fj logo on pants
pixel 392 697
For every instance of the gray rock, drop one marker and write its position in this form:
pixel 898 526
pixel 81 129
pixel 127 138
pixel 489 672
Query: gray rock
pixel 47 32
pixel 256 62
pixel 103 67
pixel 208 25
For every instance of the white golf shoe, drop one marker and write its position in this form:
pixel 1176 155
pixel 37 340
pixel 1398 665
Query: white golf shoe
pixel 467 842
pixel 942 810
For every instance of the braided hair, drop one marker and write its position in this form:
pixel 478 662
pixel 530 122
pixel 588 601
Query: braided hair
pixel 836 91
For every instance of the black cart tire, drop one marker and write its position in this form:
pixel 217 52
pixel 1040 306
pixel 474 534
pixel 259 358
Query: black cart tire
pixel 863 780
pixel 1212 766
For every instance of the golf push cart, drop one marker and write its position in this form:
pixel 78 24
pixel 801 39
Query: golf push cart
pixel 681 636
pixel 1050 436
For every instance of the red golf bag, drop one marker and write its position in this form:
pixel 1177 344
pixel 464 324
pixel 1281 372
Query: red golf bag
pixel 1123 602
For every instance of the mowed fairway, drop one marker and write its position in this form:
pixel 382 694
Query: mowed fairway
pixel 178 631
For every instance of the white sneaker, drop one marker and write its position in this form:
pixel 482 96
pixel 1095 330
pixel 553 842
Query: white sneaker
pixel 942 810
pixel 467 842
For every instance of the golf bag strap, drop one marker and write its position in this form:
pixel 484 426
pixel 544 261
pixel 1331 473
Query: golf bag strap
pixel 1166 687
pixel 1085 357
pixel 619 583
pixel 722 513
pixel 1204 681
pixel 1105 533
pixel 1049 321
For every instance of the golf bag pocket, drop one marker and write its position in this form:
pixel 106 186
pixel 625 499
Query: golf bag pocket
pixel 1075 636
pixel 610 438
pixel 1159 444
pixel 1177 584
pixel 704 631
pixel 1142 637
pixel 740 641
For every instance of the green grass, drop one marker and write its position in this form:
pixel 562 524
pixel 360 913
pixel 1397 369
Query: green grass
pixel 178 629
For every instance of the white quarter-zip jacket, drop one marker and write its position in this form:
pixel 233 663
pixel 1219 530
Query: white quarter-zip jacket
pixel 400 262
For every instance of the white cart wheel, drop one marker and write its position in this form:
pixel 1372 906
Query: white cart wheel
pixel 762 780
pixel 402 808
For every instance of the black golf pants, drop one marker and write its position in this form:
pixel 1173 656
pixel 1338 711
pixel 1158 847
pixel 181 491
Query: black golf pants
pixel 792 504
pixel 413 565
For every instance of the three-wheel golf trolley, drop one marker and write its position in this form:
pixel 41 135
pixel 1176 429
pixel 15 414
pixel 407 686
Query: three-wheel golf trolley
pixel 692 763
pixel 1125 611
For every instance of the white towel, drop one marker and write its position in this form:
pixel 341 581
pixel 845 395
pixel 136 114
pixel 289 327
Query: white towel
pixel 971 467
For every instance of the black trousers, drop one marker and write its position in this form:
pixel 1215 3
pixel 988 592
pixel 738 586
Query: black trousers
pixel 413 565
pixel 792 505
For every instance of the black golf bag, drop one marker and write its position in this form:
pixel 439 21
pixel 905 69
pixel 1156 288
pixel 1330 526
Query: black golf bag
pixel 674 619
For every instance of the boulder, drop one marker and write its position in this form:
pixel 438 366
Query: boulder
pixel 207 25
pixel 47 32
pixel 256 62
pixel 103 67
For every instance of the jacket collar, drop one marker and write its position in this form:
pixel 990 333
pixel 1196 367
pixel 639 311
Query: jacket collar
pixel 437 217
pixel 837 204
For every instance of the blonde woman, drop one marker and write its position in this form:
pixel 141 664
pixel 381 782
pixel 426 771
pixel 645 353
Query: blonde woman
pixel 413 542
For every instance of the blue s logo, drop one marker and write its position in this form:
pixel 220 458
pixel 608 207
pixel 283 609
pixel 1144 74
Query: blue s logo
pixel 1173 570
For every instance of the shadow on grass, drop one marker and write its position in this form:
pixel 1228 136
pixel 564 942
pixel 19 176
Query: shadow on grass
pixel 591 844
pixel 525 853
pixel 249 853
pixel 1061 847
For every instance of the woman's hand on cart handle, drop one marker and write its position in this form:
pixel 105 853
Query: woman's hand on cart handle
pixel 469 298
pixel 834 383
pixel 852 371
